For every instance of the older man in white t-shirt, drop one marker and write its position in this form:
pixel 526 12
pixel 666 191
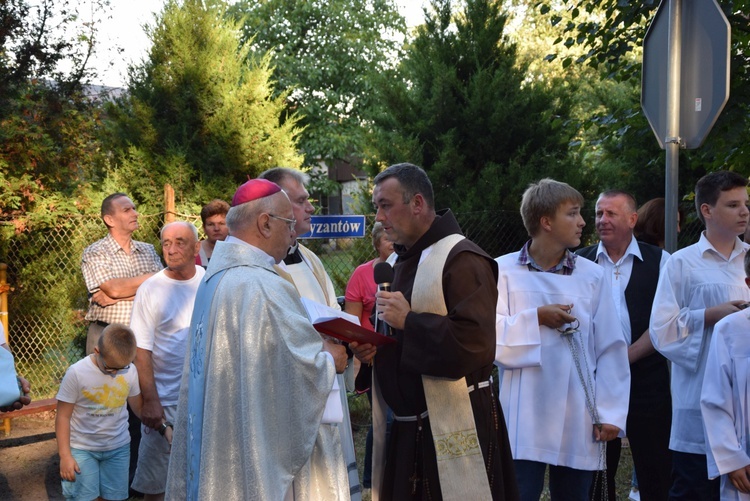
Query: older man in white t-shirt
pixel 160 320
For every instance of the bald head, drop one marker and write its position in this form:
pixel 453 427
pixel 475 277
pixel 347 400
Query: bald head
pixel 180 246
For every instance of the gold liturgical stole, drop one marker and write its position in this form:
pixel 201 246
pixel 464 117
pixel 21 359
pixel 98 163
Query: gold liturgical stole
pixel 461 466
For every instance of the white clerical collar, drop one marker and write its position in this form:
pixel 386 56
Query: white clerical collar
pixel 234 240
pixel 633 249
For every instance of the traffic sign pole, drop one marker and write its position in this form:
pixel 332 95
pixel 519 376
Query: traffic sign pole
pixel 685 84
pixel 672 141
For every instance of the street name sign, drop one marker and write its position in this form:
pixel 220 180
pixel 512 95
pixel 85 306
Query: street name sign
pixel 336 227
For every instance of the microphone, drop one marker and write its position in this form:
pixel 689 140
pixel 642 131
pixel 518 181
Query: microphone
pixel 383 275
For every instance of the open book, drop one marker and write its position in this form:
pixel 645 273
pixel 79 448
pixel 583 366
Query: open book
pixel 341 325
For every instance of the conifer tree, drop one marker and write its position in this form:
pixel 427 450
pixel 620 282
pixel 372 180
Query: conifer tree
pixel 466 112
pixel 199 108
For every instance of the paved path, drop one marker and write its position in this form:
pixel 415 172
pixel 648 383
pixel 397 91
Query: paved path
pixel 29 464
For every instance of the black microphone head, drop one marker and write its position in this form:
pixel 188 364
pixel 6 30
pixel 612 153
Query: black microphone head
pixel 383 273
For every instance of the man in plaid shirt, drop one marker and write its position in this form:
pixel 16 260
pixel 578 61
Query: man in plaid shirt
pixel 114 267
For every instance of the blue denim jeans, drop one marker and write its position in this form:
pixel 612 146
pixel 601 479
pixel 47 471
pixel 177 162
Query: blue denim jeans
pixel 103 473
pixel 565 484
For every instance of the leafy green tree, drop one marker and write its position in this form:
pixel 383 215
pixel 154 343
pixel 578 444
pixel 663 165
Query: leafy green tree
pixel 199 112
pixel 48 125
pixel 465 111
pixel 50 155
pixel 604 109
pixel 607 38
pixel 325 55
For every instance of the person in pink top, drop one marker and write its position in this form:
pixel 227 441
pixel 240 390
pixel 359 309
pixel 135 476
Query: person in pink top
pixel 360 300
pixel 361 289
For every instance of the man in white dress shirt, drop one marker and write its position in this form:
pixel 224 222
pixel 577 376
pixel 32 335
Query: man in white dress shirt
pixel 700 285
pixel 632 272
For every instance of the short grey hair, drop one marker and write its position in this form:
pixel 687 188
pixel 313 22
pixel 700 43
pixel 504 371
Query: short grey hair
pixel 629 198
pixel 278 174
pixel 242 216
pixel 188 224
pixel 377 233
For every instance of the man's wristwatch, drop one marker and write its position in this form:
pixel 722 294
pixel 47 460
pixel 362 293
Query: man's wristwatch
pixel 164 426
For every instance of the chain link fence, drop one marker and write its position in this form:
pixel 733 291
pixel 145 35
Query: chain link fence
pixel 48 298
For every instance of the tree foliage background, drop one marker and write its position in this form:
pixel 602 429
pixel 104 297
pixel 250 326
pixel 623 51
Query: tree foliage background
pixel 607 36
pixel 325 56
pixel 464 109
pixel 490 93
pixel 200 111
pixel 49 127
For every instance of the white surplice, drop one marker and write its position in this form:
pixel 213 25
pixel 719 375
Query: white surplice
pixel 724 401
pixel 694 278
pixel 540 390
pixel 337 406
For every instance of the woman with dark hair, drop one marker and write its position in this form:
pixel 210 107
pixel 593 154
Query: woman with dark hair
pixel 649 227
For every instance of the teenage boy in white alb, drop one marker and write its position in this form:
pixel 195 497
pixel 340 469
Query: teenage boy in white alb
pixel 564 374
pixel 161 317
pixel 700 285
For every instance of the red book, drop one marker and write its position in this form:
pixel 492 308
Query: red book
pixel 342 325
pixel 349 332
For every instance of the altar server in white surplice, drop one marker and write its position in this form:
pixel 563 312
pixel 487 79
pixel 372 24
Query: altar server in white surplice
pixel 700 285
pixel 724 403
pixel 562 394
pixel 257 374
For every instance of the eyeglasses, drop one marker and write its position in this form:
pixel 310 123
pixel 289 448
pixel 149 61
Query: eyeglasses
pixel 111 370
pixel 291 222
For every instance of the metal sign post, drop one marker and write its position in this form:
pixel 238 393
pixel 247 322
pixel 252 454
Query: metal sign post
pixel 672 140
pixel 685 84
